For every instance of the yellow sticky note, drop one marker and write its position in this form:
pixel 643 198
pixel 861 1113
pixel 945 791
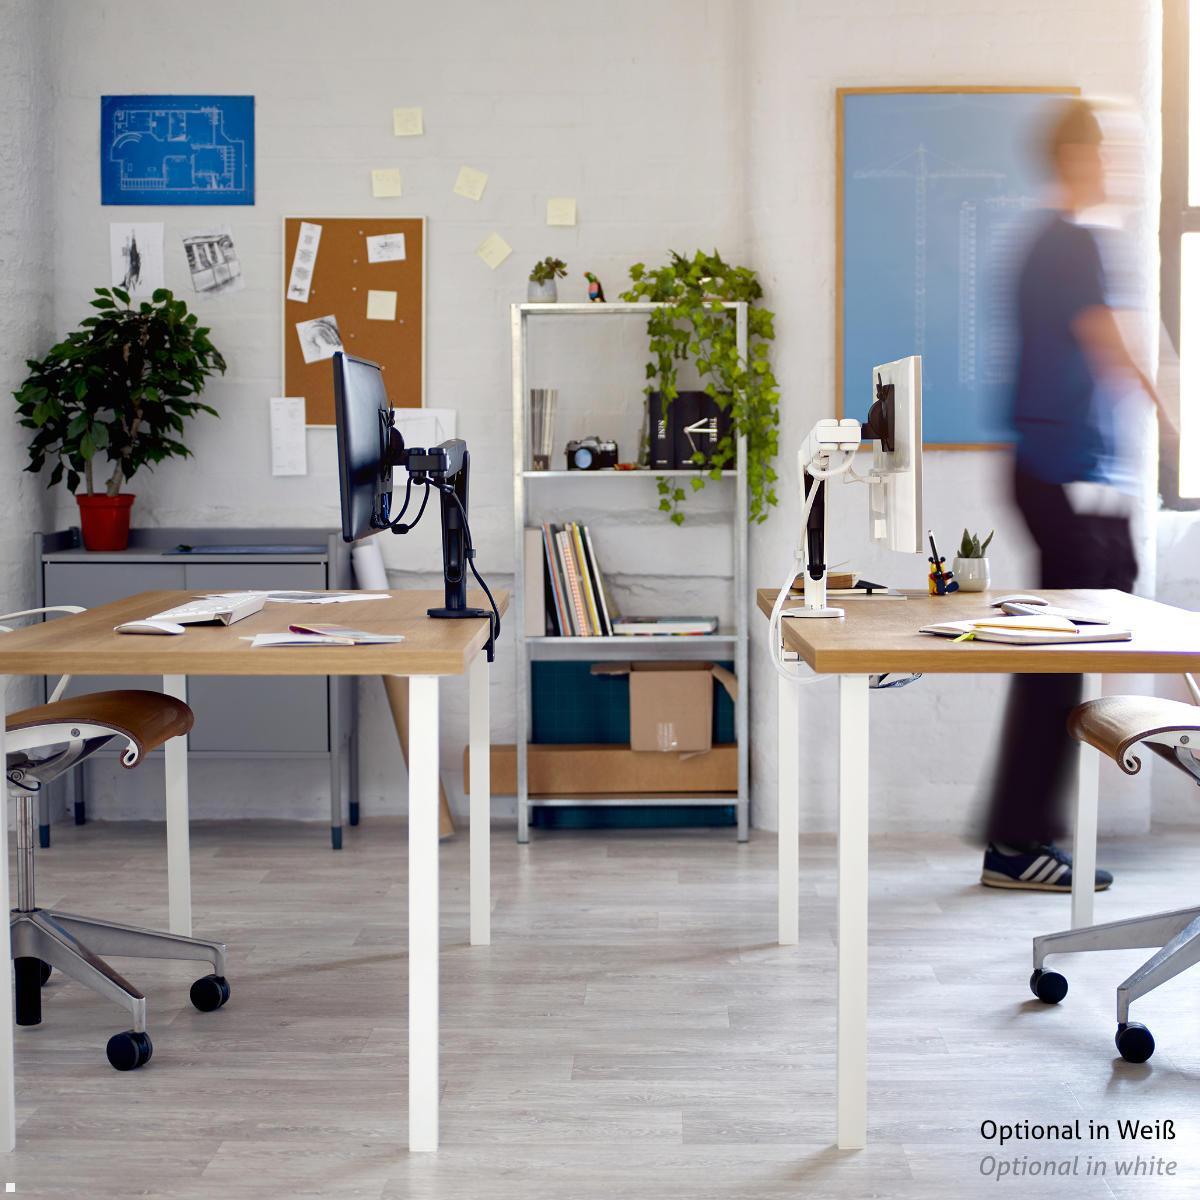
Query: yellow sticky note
pixel 385 181
pixel 470 183
pixel 560 210
pixel 381 306
pixel 408 122
pixel 493 250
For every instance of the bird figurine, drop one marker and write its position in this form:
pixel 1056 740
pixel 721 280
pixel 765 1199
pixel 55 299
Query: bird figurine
pixel 595 288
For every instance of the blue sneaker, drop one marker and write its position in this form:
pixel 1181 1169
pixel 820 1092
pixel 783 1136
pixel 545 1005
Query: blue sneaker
pixel 1036 869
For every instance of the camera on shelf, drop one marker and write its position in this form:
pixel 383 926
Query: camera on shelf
pixel 591 454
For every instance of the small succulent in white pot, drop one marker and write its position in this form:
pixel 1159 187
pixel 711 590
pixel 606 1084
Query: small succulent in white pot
pixel 543 286
pixel 971 566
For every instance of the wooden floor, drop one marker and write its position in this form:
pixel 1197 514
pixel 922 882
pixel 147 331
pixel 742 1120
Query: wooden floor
pixel 632 1032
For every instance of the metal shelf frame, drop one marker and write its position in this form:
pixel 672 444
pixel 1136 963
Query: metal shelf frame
pixel 733 488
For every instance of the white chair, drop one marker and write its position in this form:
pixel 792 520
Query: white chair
pixel 1115 725
pixel 43 743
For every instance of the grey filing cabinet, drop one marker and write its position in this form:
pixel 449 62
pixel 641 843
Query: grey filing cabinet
pixel 283 717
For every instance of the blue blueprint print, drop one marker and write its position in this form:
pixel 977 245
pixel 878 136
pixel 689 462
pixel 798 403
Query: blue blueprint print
pixel 177 149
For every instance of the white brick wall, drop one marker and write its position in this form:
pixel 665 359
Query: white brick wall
pixel 677 124
pixel 26 100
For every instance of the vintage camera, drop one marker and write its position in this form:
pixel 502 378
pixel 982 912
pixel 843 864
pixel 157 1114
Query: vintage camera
pixel 591 454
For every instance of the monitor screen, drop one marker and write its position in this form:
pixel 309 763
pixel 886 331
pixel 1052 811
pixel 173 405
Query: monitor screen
pixel 361 408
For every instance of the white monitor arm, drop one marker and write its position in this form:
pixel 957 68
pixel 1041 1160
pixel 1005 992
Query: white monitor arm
pixel 828 450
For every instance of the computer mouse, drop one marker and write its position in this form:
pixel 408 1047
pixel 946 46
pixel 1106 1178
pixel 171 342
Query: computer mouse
pixel 1018 598
pixel 159 627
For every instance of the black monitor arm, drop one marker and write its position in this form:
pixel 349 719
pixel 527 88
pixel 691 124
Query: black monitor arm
pixel 447 468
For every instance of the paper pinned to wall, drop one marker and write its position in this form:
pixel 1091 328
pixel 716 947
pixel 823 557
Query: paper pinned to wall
pixel 493 250
pixel 386 182
pixel 289 451
pixel 408 122
pixel 304 262
pixel 320 338
pixel 386 247
pixel 213 261
pixel 470 183
pixel 136 253
pixel 381 306
pixel 560 210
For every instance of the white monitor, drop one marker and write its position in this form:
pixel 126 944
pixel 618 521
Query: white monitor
pixel 896 507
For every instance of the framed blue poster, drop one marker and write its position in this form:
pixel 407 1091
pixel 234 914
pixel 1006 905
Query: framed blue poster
pixel 177 149
pixel 937 188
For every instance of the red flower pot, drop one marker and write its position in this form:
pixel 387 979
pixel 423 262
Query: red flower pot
pixel 105 521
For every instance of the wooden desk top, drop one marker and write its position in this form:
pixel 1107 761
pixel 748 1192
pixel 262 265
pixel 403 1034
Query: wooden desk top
pixel 86 644
pixel 876 636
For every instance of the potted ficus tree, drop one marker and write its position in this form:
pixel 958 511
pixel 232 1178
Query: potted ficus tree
pixel 111 398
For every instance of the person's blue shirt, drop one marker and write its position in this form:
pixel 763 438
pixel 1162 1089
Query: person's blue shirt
pixel 1064 419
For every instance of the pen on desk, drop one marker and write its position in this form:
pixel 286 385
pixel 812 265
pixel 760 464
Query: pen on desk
pixel 933 549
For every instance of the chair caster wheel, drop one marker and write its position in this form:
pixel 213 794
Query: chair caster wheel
pixel 210 992
pixel 1048 986
pixel 127 1051
pixel 45 971
pixel 1135 1043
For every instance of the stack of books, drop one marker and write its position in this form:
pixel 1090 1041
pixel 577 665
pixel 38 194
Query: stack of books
pixel 571 588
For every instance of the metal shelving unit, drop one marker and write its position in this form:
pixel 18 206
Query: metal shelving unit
pixel 733 488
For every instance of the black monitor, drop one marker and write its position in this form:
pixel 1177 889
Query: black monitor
pixel 362 414
pixel 369 448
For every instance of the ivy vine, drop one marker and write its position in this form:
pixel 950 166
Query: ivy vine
pixel 692 324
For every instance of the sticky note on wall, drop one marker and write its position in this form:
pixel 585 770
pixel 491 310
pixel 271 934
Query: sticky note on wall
pixel 493 250
pixel 560 210
pixel 470 183
pixel 408 122
pixel 385 181
pixel 381 306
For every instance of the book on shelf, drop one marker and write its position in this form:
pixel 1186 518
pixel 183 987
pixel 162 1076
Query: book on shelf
pixel 669 626
pixel 565 592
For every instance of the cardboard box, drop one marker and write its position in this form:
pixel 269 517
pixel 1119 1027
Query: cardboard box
pixel 611 770
pixel 671 703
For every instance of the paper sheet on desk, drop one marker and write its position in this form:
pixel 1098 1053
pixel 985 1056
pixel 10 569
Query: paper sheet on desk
pixel 308 597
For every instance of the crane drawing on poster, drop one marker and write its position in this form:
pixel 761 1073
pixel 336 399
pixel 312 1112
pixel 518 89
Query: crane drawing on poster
pixel 177 149
pixel 939 193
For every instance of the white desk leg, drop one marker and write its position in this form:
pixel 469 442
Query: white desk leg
pixel 423 913
pixel 179 860
pixel 853 794
pixel 788 738
pixel 8 1102
pixel 1087 806
pixel 479 721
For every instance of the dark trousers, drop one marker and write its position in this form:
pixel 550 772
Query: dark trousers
pixel 1037 756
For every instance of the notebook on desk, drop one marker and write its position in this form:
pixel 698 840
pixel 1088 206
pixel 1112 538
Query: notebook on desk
pixel 1022 630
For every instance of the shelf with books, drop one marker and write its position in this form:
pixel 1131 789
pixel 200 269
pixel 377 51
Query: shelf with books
pixel 555 567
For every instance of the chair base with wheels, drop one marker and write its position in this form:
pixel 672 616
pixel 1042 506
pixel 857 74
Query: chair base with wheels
pixel 1115 725
pixel 43 743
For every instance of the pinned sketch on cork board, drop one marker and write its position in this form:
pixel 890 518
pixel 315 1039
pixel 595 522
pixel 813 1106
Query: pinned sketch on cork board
pixel 358 284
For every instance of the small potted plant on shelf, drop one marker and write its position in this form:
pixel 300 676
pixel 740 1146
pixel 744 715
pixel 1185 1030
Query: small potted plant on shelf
pixel 543 288
pixel 118 389
pixel 971 567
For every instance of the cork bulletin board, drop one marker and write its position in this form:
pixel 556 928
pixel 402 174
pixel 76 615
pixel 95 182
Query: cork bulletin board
pixel 346 277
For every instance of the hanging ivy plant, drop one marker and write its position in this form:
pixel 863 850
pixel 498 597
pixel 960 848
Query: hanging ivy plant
pixel 692 324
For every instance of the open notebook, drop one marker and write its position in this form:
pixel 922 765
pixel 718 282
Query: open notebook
pixel 1027 630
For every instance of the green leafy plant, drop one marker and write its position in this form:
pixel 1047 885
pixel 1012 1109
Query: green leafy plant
pixel 971 547
pixel 548 270
pixel 693 324
pixel 120 386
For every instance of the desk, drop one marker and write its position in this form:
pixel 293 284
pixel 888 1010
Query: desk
pixel 878 636
pixel 86 645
